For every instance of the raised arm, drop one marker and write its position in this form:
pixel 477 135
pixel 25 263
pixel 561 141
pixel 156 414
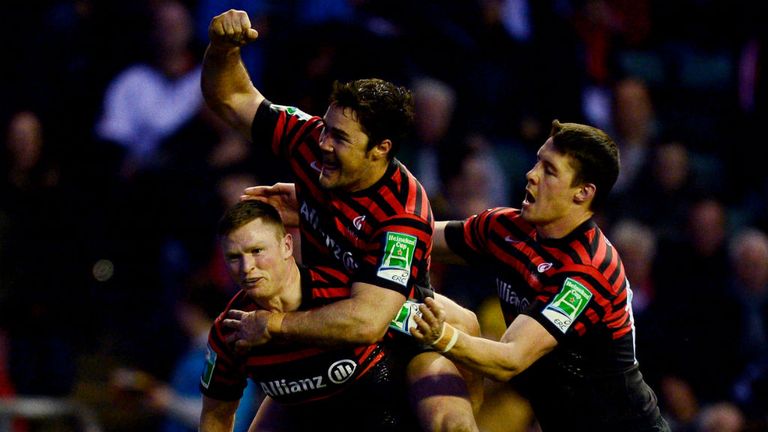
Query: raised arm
pixel 225 82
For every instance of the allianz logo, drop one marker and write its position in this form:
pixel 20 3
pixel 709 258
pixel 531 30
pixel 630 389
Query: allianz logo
pixel 338 373
pixel 312 217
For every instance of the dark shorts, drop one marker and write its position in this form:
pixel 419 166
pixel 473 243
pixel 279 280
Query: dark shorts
pixel 605 403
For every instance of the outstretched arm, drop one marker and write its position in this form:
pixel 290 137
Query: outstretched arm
pixel 524 342
pixel 226 86
pixel 440 250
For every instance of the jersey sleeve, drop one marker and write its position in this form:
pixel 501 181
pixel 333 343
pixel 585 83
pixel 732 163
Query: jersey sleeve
pixel 224 377
pixel 282 127
pixel 571 305
pixel 397 257
pixel 469 238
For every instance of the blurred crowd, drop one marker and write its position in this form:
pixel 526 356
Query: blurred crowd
pixel 113 174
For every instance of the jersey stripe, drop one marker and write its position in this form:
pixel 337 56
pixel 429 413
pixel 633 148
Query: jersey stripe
pixel 292 372
pixel 502 238
pixel 345 229
pixel 283 357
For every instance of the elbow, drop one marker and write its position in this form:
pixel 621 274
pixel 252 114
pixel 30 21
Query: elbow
pixel 229 112
pixel 506 367
pixel 502 374
pixel 221 106
pixel 367 333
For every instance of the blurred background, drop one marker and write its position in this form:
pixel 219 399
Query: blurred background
pixel 113 174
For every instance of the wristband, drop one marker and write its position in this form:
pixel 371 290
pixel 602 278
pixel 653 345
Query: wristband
pixel 452 342
pixel 445 347
pixel 275 323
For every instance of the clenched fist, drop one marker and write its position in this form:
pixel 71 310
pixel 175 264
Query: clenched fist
pixel 231 29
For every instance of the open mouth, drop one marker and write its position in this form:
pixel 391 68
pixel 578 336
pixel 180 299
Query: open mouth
pixel 329 165
pixel 529 198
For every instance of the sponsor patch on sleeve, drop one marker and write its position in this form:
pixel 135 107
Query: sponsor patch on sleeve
pixel 398 255
pixel 291 111
pixel 567 305
pixel 210 364
pixel 404 322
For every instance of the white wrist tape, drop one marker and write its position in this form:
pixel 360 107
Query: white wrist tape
pixel 452 342
pixel 442 333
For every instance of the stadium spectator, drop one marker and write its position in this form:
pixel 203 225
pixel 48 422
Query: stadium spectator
pixel 692 273
pixel 147 102
pixel 38 221
pixel 178 401
pixel 748 255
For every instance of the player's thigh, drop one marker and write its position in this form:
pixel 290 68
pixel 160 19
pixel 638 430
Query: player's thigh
pixel 465 320
pixel 439 394
pixel 459 316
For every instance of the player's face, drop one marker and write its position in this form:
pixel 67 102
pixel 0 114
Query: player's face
pixel 549 194
pixel 347 164
pixel 257 258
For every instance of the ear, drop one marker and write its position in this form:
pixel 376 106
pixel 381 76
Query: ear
pixel 382 149
pixel 585 194
pixel 287 244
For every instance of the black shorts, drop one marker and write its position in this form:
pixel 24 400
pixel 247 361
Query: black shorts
pixel 597 403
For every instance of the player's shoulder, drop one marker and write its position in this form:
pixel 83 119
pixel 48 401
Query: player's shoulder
pixel 498 213
pixel 400 195
pixel 500 218
pixel 269 114
pixel 291 111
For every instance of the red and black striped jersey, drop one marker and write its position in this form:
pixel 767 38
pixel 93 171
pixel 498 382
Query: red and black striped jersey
pixel 381 235
pixel 574 286
pixel 577 289
pixel 288 372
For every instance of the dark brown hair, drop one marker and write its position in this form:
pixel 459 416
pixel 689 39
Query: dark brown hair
pixel 384 110
pixel 595 156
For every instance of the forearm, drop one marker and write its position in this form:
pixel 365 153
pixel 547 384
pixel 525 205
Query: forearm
pixel 524 342
pixel 217 416
pixel 227 87
pixel 362 319
pixel 333 325
pixel 496 360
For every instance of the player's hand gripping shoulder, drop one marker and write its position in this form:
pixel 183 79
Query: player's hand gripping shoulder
pixel 249 329
pixel 281 196
pixel 231 29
